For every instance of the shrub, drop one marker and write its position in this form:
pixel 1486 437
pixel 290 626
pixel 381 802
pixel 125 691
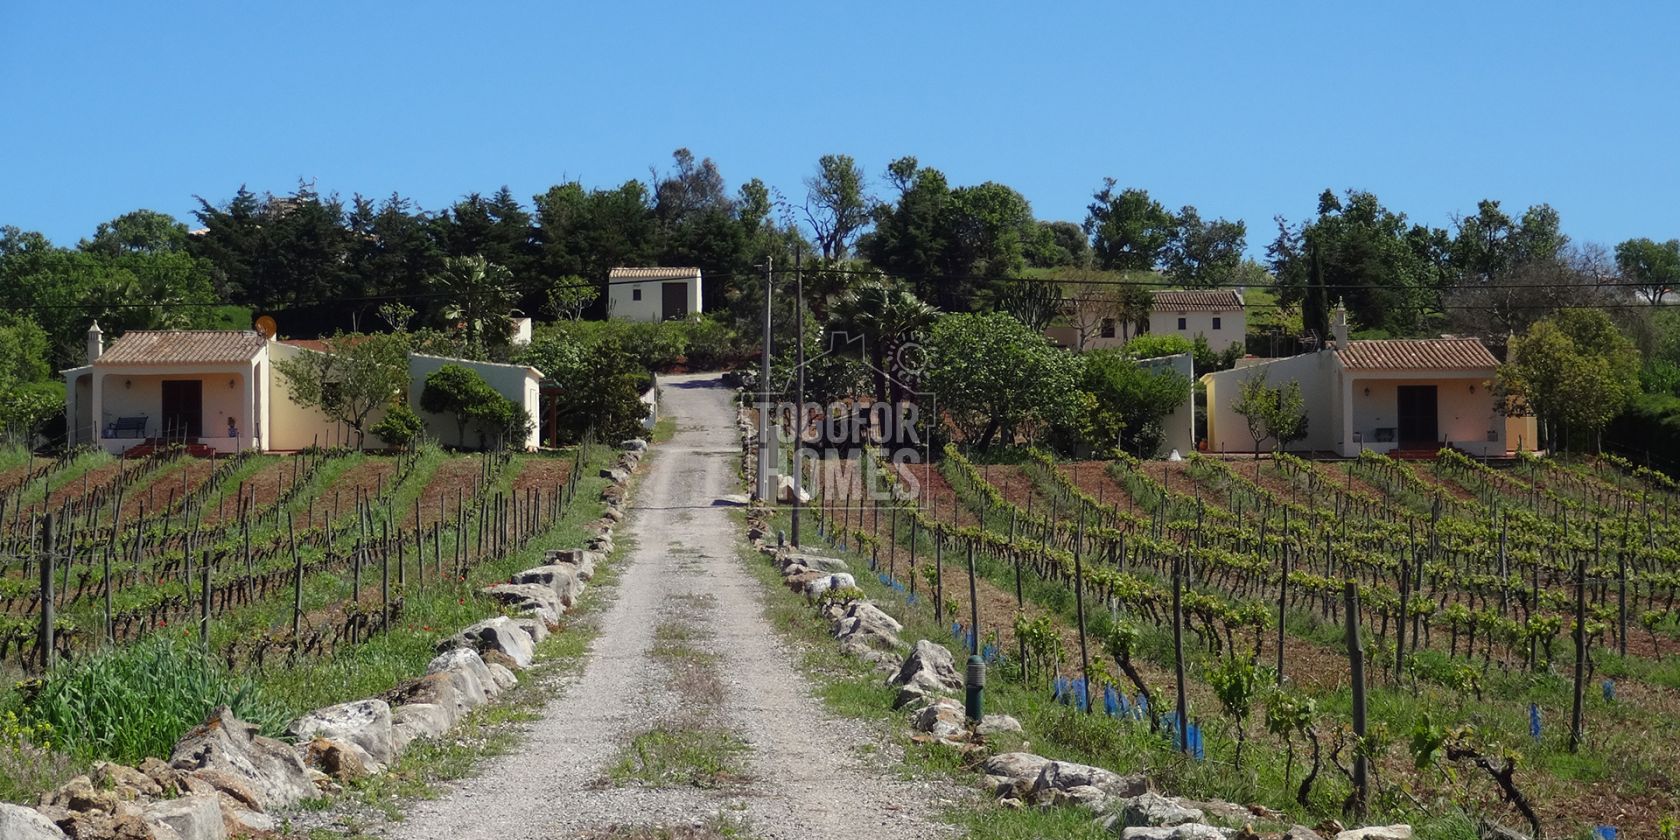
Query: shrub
pixel 400 426
pixel 463 394
pixel 1156 345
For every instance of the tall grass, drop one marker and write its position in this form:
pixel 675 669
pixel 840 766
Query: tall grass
pixel 135 701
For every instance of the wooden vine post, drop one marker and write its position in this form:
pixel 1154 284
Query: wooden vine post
pixel 1575 735
pixel 1181 713
pixel 46 564
pixel 973 607
pixel 1283 592
pixel 1356 667
pixel 1079 606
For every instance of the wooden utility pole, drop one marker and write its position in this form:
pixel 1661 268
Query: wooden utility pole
pixel 763 483
pixel 799 387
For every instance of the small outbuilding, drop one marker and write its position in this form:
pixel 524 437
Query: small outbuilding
pixel 653 294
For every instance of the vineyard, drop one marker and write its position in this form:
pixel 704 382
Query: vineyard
pixel 293 580
pixel 1515 625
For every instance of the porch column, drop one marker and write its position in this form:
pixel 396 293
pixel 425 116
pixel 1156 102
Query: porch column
pixel 247 424
pixel 1349 448
pixel 96 415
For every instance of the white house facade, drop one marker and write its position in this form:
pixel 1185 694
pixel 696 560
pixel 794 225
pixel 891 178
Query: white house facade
pixel 1414 395
pixel 217 390
pixel 653 294
pixel 1215 314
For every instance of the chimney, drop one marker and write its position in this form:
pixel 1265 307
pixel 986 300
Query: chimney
pixel 1340 326
pixel 95 343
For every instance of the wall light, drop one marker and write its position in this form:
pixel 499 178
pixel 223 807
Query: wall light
pixel 1472 389
pixel 128 383
pixel 1367 392
pixel 232 383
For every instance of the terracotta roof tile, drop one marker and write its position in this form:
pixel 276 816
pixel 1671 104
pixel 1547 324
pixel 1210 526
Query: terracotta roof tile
pixel 651 273
pixel 166 347
pixel 1202 300
pixel 1417 354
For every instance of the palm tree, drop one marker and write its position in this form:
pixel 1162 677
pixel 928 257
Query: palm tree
pixel 479 295
pixel 886 315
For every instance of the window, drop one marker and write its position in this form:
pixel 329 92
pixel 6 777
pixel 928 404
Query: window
pixel 636 293
pixel 1108 328
pixel 1216 322
pixel 1181 325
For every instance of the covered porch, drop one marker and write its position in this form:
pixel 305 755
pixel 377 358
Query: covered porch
pixel 1401 412
pixel 212 406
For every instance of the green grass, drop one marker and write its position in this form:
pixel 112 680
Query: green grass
pixel 681 754
pixel 664 429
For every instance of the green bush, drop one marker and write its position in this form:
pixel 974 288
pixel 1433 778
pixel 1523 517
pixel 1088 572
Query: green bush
pixel 1156 345
pixel 400 426
pixel 137 701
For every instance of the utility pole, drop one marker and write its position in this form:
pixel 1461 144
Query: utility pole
pixel 764 489
pixel 799 388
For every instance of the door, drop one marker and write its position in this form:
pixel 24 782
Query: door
pixel 183 408
pixel 1418 420
pixel 674 300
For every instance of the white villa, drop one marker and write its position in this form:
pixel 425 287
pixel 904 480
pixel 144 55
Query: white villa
pixel 1413 395
pixel 217 389
pixel 653 294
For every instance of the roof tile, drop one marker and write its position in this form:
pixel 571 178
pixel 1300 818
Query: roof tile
pixel 164 347
pixel 1417 354
pixel 1199 300
pixel 651 273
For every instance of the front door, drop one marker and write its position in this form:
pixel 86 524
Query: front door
pixel 183 408
pixel 1418 419
pixel 674 300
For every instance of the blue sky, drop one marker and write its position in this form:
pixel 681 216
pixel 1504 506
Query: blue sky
pixel 1246 111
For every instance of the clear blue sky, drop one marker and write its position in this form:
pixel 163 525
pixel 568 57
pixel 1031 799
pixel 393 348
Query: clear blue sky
pixel 1245 110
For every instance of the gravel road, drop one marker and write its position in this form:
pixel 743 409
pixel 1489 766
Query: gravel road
pixel 809 775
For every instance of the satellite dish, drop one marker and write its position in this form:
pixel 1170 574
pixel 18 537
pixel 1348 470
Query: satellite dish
pixel 266 326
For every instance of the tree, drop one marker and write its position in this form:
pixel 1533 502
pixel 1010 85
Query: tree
pixel 1389 271
pixel 885 316
pixel 1033 302
pixel 1579 276
pixel 1651 267
pixel 992 376
pixel 602 379
pixel 1059 244
pixel 1575 371
pixel 836 206
pixel 570 295
pixel 1276 413
pixel 1204 254
pixel 954 245
pixel 1128 229
pixel 461 393
pixel 479 297
pixel 1128 402
pixel 354 376
pixel 137 232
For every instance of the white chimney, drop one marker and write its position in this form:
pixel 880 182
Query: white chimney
pixel 1340 326
pixel 95 343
